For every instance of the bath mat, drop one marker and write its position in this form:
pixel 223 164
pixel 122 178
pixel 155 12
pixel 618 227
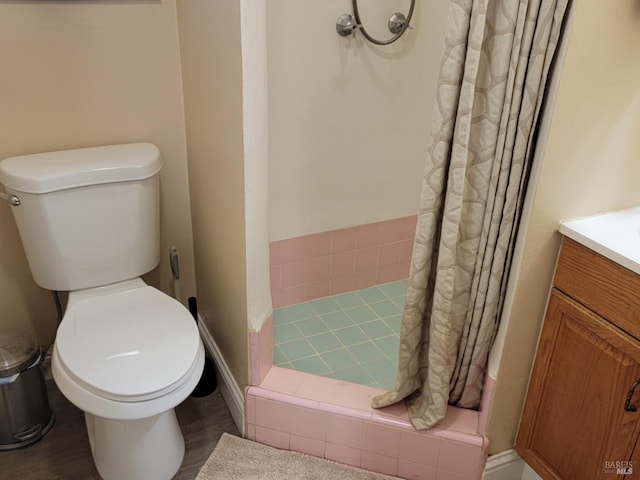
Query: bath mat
pixel 235 458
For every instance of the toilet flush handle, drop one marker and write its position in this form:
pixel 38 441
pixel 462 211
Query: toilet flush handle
pixel 12 199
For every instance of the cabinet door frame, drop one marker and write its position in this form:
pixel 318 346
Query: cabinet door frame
pixel 563 309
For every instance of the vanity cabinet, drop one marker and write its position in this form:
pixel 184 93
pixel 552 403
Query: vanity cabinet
pixel 581 419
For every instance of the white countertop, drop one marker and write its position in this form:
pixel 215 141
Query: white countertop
pixel 615 235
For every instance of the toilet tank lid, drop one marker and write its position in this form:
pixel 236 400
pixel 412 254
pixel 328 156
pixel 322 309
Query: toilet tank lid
pixel 52 171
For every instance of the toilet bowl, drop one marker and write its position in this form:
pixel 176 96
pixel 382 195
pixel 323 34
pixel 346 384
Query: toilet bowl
pixel 125 353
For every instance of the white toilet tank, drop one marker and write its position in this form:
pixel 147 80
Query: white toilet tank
pixel 87 217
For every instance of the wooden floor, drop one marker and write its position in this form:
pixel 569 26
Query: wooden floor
pixel 64 452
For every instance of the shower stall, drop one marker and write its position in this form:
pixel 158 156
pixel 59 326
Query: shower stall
pixel 339 297
pixel 348 129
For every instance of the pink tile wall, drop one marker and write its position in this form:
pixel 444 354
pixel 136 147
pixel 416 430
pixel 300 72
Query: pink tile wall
pixel 322 264
pixel 332 419
pixel 261 352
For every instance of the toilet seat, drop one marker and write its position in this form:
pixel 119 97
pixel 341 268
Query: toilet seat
pixel 128 343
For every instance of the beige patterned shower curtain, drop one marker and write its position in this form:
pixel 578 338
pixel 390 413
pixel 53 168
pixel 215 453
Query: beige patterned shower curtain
pixel 492 80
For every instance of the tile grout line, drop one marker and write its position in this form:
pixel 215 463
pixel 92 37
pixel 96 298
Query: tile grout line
pixel 314 314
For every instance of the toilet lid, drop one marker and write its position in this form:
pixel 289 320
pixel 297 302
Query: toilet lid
pixel 134 344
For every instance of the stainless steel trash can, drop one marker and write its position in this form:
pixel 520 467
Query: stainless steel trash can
pixel 25 414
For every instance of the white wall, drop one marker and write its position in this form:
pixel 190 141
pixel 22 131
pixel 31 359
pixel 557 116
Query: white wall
pixel 255 116
pixel 348 121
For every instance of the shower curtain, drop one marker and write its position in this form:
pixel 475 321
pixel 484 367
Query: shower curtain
pixel 492 80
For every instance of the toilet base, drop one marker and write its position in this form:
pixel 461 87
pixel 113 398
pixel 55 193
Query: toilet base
pixel 144 449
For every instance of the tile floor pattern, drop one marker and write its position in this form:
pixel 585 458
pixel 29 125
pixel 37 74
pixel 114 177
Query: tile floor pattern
pixel 353 336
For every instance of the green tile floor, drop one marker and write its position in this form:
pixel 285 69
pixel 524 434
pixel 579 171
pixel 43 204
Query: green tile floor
pixel 352 336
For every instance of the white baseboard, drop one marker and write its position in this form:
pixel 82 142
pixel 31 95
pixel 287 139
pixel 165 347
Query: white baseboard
pixel 504 466
pixel 229 388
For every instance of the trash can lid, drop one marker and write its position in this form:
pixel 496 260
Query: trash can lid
pixel 17 352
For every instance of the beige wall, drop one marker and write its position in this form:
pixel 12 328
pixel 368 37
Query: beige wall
pixel 348 120
pixel 210 43
pixel 78 74
pixel 590 165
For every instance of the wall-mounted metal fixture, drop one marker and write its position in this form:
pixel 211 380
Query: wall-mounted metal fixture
pixel 346 25
pixel 398 24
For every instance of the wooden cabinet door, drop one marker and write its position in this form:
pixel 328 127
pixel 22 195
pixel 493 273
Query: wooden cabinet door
pixel 574 418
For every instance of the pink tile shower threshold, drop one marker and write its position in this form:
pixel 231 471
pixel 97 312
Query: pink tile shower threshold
pixel 333 419
pixel 352 336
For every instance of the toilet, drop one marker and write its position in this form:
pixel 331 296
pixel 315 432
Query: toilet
pixel 125 353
